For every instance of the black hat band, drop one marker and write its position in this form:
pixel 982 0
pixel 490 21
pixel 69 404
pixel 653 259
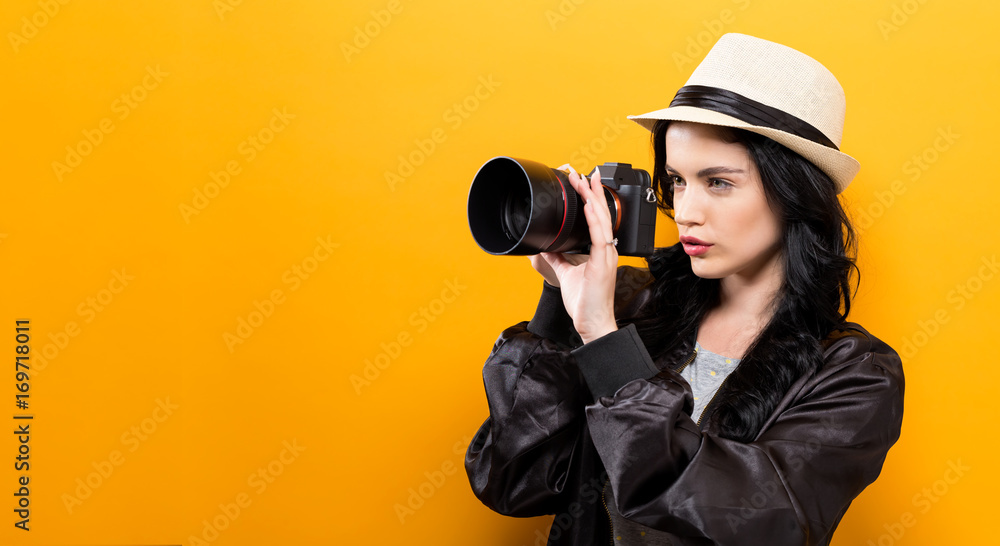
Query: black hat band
pixel 748 110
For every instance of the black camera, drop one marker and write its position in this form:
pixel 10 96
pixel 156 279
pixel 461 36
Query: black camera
pixel 522 207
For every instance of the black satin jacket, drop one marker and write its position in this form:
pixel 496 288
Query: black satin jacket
pixel 566 417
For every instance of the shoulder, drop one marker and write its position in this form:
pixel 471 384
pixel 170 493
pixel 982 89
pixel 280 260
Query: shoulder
pixel 850 340
pixel 850 347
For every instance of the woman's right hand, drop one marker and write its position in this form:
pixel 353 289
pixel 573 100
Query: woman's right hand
pixel 587 281
pixel 543 267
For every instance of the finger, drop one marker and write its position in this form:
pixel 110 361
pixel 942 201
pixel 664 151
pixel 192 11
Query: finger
pixel 562 264
pixel 597 190
pixel 583 185
pixel 604 235
pixel 558 259
pixel 596 214
pixel 578 182
pixel 601 198
pixel 555 260
pixel 598 241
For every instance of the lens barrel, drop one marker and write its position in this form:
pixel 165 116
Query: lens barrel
pixel 522 207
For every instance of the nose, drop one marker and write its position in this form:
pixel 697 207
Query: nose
pixel 689 207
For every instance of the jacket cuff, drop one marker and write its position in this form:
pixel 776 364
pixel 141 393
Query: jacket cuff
pixel 611 361
pixel 551 320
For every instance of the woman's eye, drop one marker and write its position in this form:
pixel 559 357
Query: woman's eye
pixel 676 180
pixel 719 184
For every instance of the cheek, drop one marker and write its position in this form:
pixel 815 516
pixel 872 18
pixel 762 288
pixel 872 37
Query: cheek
pixel 755 227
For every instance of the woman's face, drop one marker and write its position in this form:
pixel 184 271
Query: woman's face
pixel 722 214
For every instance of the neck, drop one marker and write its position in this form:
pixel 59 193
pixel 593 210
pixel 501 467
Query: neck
pixel 752 295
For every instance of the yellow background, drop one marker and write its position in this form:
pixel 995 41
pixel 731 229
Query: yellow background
pixel 368 82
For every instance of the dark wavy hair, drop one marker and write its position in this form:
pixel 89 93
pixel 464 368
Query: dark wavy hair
pixel 817 247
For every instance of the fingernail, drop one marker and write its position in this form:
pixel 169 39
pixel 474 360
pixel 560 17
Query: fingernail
pixel 597 171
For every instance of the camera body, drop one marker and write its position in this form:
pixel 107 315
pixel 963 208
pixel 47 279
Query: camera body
pixel 522 207
pixel 634 216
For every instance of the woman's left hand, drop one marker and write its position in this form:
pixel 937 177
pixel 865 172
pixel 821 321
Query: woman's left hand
pixel 588 283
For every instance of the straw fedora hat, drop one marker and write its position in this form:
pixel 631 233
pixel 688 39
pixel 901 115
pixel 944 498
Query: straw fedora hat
pixel 772 90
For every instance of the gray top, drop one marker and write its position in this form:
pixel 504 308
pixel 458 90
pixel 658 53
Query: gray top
pixel 705 374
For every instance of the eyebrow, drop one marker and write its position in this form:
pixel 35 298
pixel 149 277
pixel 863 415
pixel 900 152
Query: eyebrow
pixel 712 171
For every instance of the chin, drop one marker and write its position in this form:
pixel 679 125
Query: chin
pixel 705 270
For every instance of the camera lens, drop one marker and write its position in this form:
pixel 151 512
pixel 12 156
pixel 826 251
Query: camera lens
pixel 522 207
pixel 516 213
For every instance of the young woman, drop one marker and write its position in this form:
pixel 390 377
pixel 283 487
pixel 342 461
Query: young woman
pixel 719 396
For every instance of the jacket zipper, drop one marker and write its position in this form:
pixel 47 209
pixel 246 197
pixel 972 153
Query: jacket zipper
pixel 710 400
pixel 689 361
pixel 611 524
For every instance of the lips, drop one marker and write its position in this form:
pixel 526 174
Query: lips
pixel 688 240
pixel 694 246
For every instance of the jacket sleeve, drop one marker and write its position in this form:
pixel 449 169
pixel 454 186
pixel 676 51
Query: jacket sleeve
pixel 825 444
pixel 522 459
pixel 518 462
